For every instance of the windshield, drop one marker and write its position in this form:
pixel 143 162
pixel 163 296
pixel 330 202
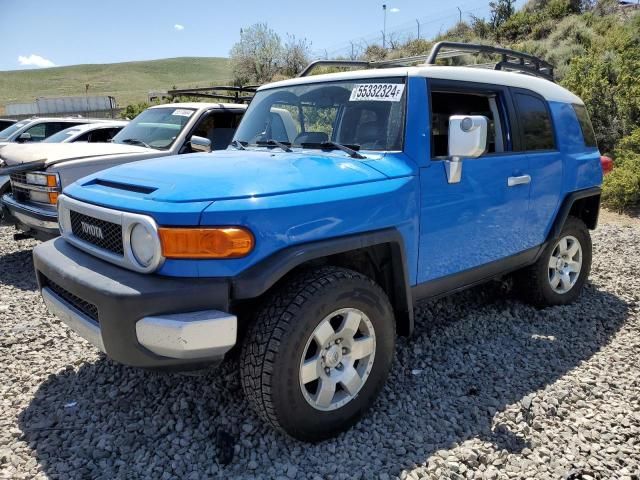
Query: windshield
pixel 62 135
pixel 155 127
pixel 7 132
pixel 365 114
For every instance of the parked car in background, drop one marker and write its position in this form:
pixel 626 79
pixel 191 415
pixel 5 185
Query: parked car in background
pixel 38 174
pixel 308 248
pixel 89 132
pixel 6 122
pixel 96 131
pixel 38 128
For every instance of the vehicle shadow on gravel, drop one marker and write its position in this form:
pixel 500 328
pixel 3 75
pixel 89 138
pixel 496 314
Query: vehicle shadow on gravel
pixel 13 266
pixel 472 355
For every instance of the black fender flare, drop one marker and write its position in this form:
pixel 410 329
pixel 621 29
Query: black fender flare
pixel 259 278
pixel 565 209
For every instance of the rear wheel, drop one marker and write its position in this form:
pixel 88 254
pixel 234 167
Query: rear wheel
pixel 559 275
pixel 318 352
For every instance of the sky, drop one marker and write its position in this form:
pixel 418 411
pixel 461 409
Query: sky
pixel 45 33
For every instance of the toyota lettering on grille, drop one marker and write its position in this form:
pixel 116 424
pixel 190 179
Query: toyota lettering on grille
pixel 92 230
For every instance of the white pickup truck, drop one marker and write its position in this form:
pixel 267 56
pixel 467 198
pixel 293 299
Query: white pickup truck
pixel 39 172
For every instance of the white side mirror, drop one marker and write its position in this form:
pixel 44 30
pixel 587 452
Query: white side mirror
pixel 467 139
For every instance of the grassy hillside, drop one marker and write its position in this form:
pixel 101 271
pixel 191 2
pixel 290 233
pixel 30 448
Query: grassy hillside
pixel 128 82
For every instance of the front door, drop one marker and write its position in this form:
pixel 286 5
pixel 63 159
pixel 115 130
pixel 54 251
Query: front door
pixel 483 218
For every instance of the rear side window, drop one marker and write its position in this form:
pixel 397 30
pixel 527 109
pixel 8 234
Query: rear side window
pixel 585 125
pixel 535 123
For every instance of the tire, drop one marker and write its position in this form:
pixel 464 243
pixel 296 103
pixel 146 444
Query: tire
pixel 540 285
pixel 284 337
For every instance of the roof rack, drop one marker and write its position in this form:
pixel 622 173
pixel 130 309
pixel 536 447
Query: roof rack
pixel 219 92
pixel 511 60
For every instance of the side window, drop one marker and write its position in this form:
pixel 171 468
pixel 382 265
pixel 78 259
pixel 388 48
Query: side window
pixel 219 127
pixel 446 103
pixel 38 132
pixel 102 135
pixel 585 125
pixel 55 127
pixel 535 123
pixel 85 137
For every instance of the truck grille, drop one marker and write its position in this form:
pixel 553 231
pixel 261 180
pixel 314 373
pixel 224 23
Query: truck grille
pixel 87 308
pixel 21 194
pixel 103 234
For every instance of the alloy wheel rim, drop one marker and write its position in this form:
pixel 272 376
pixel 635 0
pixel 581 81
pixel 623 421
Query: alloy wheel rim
pixel 337 359
pixel 565 264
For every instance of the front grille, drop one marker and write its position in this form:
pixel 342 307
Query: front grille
pixel 87 308
pixel 103 234
pixel 21 194
pixel 20 177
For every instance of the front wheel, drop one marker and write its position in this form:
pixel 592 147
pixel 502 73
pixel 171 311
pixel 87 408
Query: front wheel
pixel 559 275
pixel 318 352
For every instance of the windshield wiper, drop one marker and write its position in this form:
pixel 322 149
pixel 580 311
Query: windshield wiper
pixel 135 141
pixel 275 143
pixel 329 145
pixel 240 145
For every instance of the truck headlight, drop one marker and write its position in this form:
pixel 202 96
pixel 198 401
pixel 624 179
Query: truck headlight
pixel 43 179
pixel 143 244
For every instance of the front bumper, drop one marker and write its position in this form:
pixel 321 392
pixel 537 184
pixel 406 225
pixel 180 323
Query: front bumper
pixel 41 222
pixel 137 319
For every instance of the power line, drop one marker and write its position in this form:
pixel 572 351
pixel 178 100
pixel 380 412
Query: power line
pixel 406 29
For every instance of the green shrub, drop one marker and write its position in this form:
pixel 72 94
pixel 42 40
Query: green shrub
pixel 606 78
pixel 133 110
pixel 621 188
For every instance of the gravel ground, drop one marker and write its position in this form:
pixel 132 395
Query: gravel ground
pixel 488 388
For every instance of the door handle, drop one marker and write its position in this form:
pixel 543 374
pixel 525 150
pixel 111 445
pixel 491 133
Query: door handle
pixel 521 180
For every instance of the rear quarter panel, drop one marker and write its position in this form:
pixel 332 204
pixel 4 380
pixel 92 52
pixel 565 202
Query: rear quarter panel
pixel 581 164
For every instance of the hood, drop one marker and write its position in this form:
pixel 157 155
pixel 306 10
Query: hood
pixel 227 174
pixel 19 153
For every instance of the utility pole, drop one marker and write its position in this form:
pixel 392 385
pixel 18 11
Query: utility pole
pixel 384 26
pixel 460 13
pixel 418 22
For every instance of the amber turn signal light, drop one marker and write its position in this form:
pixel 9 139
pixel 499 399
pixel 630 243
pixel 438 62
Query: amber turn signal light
pixel 222 242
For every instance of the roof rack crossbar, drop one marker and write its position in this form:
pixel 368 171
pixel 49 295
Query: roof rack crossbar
pixel 511 60
pixel 212 92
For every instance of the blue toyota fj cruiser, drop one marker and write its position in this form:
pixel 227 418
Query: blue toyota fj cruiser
pixel 307 243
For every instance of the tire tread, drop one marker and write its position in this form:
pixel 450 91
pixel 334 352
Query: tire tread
pixel 269 326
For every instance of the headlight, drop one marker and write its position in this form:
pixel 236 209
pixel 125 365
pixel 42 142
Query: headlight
pixel 43 179
pixel 143 244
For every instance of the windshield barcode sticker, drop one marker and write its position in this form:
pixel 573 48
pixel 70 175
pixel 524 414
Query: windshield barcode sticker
pixel 182 112
pixel 377 92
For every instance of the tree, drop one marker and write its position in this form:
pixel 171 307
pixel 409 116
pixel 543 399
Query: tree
pixel 260 55
pixel 501 11
pixel 295 55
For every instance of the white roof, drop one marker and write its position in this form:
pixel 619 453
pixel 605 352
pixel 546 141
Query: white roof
pixel 202 105
pixel 85 127
pixel 547 89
